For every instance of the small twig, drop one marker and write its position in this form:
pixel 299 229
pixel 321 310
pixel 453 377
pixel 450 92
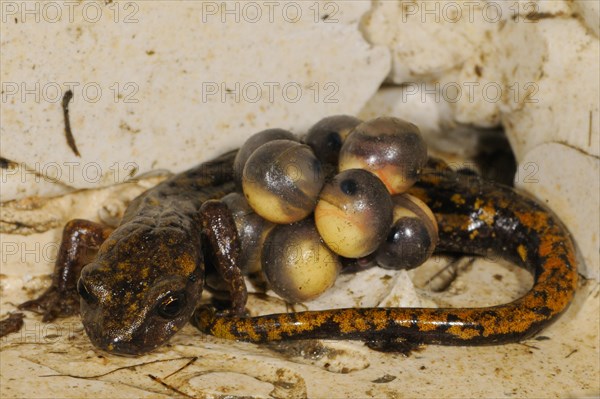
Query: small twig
pixel 572 352
pixel 183 367
pixel 68 133
pixel 133 366
pixel 172 388
pixel 452 264
pixel 528 345
pixel 590 130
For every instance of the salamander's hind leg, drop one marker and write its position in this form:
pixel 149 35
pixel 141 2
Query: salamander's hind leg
pixel 61 298
pixel 220 234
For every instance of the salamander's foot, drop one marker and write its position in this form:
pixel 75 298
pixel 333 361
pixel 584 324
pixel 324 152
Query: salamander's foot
pixel 53 304
pixel 405 347
pixel 11 324
pixel 225 308
pixel 219 234
pixel 206 317
pixel 61 299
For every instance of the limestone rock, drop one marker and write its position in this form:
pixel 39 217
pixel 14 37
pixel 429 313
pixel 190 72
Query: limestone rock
pixel 151 93
pixel 558 84
pixel 590 13
pixel 427 39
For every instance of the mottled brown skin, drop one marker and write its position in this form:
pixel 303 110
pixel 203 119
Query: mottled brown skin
pixel 474 217
pixel 147 278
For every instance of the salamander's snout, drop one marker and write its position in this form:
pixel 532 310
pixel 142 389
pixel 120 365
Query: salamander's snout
pixel 125 316
pixel 122 345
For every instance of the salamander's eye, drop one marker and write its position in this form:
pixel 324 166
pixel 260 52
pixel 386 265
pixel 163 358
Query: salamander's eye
pixel 84 293
pixel 172 305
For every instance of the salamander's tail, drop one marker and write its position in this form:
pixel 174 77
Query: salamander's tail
pixel 474 217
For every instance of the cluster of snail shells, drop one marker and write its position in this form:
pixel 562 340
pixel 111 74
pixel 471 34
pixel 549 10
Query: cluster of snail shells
pixel 339 194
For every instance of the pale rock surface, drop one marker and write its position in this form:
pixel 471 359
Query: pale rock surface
pixel 590 12
pixel 559 72
pixel 411 102
pixel 530 66
pixel 531 9
pixel 20 181
pixel 426 39
pixel 162 87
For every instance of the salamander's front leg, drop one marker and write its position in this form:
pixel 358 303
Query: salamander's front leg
pixel 61 298
pixel 220 233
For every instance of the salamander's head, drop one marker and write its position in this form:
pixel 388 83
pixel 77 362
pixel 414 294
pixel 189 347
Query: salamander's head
pixel 141 290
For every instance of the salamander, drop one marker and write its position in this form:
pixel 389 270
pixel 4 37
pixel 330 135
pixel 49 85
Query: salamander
pixel 146 281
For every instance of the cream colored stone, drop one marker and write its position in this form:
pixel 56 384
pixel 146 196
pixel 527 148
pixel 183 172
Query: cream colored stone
pixel 427 39
pixel 544 90
pixel 528 65
pixel 19 181
pixel 412 103
pixel 568 181
pixel 157 86
pixel 590 12
pixel 531 9
pixel 403 293
pixel 557 82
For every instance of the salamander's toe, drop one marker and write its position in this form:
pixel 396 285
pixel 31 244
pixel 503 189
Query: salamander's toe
pixel 53 304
